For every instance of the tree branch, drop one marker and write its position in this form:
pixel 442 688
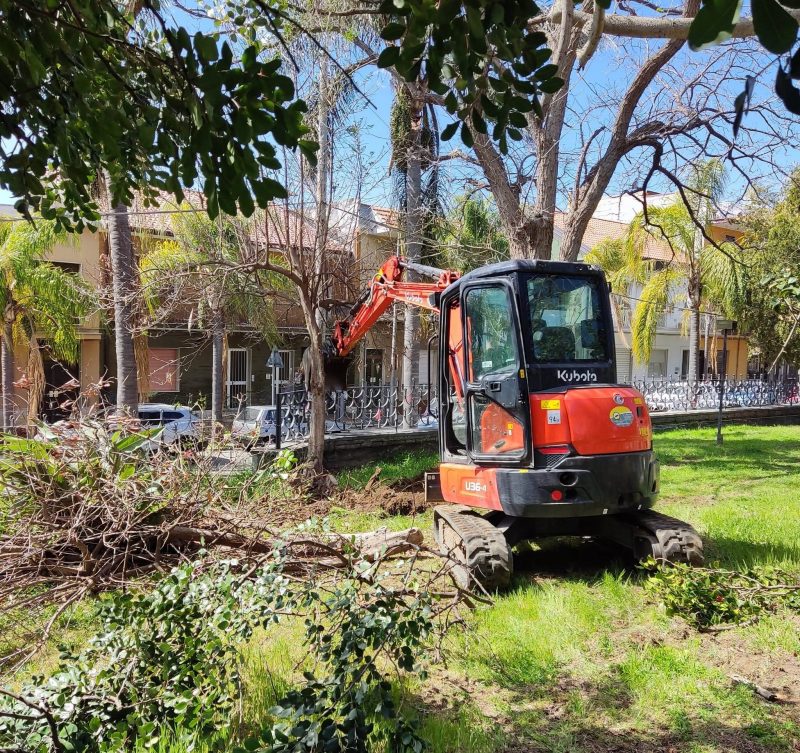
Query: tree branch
pixel 640 27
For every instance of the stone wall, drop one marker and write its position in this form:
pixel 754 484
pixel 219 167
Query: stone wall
pixel 352 449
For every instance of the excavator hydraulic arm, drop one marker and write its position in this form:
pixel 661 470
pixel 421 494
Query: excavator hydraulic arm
pixel 386 287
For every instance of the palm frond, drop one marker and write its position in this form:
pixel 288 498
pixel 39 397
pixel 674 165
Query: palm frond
pixel 654 300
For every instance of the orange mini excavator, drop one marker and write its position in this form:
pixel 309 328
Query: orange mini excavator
pixel 533 430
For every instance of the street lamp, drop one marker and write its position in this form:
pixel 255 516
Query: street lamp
pixel 274 362
pixel 725 326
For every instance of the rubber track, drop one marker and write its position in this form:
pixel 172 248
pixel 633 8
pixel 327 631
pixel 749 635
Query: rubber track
pixel 484 551
pixel 675 540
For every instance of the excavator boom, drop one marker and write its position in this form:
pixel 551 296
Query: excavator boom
pixel 386 287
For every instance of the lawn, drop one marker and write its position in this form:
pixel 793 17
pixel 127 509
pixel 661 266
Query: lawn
pixel 576 656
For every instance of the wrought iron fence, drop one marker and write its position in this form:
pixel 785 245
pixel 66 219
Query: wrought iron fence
pixel 666 395
pixel 355 408
pixel 386 406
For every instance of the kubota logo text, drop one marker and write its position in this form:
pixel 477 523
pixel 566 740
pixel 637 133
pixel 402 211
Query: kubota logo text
pixel 474 486
pixel 576 376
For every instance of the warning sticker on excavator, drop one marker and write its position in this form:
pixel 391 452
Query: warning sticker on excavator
pixel 551 405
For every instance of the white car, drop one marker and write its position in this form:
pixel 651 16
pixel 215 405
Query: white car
pixel 179 426
pixel 255 425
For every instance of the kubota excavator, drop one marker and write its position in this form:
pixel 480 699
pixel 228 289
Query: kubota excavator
pixel 533 429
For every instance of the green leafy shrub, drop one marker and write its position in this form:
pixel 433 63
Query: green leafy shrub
pixel 709 598
pixel 166 662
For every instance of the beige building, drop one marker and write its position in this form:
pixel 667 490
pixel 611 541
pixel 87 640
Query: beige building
pixel 669 358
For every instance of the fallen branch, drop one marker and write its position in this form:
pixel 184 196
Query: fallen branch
pixel 766 694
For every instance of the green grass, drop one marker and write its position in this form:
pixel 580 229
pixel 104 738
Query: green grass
pixel 408 467
pixel 575 658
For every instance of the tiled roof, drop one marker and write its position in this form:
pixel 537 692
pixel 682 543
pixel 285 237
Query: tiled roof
pixel 283 228
pixel 386 216
pixel 599 230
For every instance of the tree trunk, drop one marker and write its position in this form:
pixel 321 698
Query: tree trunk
pixel 7 366
pixel 315 385
pixel 124 285
pixel 217 355
pixel 694 332
pixel 323 185
pixel 413 250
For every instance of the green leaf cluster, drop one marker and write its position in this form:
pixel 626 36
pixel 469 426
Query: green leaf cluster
pixel 479 55
pixel 37 297
pixel 87 92
pixel 166 663
pixel 356 630
pixel 707 597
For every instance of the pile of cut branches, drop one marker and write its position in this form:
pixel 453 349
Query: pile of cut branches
pixel 91 508
pixel 714 599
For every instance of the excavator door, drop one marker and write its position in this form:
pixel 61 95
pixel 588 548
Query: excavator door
pixel 495 387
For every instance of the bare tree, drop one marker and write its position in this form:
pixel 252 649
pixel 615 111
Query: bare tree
pixel 673 108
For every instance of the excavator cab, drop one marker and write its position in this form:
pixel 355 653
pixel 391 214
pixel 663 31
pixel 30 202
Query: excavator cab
pixel 514 330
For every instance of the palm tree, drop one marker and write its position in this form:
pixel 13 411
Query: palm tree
pixel 37 299
pixel 195 273
pixel 705 276
pixel 125 290
pixel 473 236
pixel 415 146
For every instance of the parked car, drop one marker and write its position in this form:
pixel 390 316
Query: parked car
pixel 179 426
pixel 256 425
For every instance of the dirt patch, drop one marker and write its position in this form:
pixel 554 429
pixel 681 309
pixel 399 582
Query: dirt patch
pixel 397 498
pixel 775 670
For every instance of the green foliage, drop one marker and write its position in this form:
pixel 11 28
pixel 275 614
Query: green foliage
pixel 708 597
pixel 344 702
pixel 39 297
pixel 80 462
pixel 771 303
pixel 163 660
pixel 775 28
pixel 166 663
pixel 473 236
pixel 88 89
pixel 715 277
pixel 199 267
pixel 480 56
pixel 406 467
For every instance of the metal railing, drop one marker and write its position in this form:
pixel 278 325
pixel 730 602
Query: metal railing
pixel 667 395
pixel 356 408
pixel 387 407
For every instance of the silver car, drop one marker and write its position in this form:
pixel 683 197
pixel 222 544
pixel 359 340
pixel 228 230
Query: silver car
pixel 179 426
pixel 255 425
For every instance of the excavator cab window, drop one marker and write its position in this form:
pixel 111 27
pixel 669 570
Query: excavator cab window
pixel 567 323
pixel 497 427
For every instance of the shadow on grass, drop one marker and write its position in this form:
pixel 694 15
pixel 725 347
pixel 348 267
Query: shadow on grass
pixel 558 723
pixel 575 559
